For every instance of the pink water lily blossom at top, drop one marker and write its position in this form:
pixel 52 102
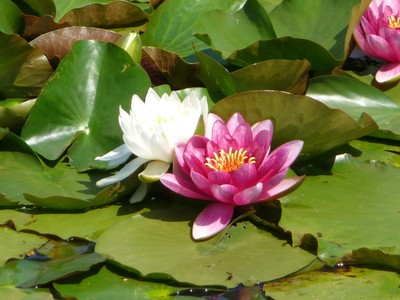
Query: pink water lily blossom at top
pixel 231 166
pixel 378 35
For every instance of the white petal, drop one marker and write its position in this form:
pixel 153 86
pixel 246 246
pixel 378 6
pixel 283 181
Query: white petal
pixel 139 194
pixel 154 170
pixel 127 170
pixel 117 156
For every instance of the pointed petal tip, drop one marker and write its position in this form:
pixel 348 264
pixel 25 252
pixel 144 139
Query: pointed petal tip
pixel 212 220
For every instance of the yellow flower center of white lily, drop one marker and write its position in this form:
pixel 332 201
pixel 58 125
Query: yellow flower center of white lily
pixel 229 161
pixel 394 23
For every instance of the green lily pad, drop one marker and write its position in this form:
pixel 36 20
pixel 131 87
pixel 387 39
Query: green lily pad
pixel 106 285
pixel 250 24
pixel 324 22
pixel 355 97
pixel 25 180
pixel 11 20
pixel 285 48
pixel 352 284
pixel 171 26
pixel 356 207
pixel 376 149
pixel 280 74
pixel 158 245
pixel 297 117
pixel 29 273
pixel 16 244
pixel 88 225
pixel 24 69
pixel 104 77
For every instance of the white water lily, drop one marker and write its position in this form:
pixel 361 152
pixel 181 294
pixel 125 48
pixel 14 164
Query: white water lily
pixel 151 130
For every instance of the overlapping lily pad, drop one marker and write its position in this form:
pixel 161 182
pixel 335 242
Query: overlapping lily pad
pixel 244 254
pixel 355 97
pixel 362 214
pixel 297 117
pixel 80 104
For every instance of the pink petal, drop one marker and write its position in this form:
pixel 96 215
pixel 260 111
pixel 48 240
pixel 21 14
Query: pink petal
pixel 219 177
pixel 235 121
pixel 201 182
pixel 388 73
pixel 243 136
pixel 285 187
pixel 211 119
pixel 213 219
pixel 221 135
pixel 245 176
pixel 280 159
pixel 249 195
pixel 379 47
pixel 224 192
pixel 182 187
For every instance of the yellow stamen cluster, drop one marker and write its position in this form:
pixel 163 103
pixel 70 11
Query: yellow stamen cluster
pixel 229 161
pixel 394 23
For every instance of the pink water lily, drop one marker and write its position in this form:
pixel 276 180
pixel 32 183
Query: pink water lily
pixel 378 35
pixel 231 166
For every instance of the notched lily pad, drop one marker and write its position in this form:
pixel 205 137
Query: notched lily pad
pixel 244 254
pixel 297 117
pixel 357 207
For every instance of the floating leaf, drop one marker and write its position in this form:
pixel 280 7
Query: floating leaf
pixel 181 16
pixel 356 207
pixel 285 48
pixel 29 273
pixel 297 117
pixel 105 78
pixel 113 14
pixel 24 69
pixel 17 244
pixel 362 283
pixel 249 24
pixel 355 97
pixel 244 254
pixel 106 283
pixel 88 225
pixel 323 22
pixel 282 75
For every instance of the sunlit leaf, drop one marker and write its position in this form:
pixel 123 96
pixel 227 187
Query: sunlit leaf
pixel 324 22
pixel 250 24
pixel 297 117
pixel 29 273
pixel 355 97
pixel 333 285
pixel 282 75
pixel 106 284
pixel 104 77
pixel 16 244
pixel 285 48
pixel 171 26
pixel 88 225
pixel 244 254
pixel 355 207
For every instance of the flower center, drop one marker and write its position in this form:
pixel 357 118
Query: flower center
pixel 394 23
pixel 229 161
